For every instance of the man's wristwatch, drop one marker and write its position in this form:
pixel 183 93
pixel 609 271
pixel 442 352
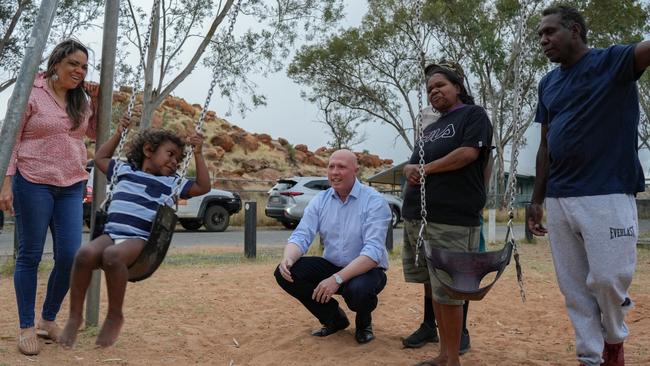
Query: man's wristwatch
pixel 338 279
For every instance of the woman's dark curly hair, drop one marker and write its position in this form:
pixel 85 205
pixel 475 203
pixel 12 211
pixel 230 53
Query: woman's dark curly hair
pixel 154 138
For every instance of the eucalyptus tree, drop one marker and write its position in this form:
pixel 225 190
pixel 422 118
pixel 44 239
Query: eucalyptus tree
pixel 496 42
pixel 16 21
pixel 342 124
pixel 376 69
pixel 261 48
pixel 373 69
pixel 622 22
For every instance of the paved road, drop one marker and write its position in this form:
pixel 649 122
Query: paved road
pixel 234 236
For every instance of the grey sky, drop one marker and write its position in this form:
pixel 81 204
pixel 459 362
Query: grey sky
pixel 287 115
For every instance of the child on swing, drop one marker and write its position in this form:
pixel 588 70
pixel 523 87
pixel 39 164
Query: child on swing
pixel 146 181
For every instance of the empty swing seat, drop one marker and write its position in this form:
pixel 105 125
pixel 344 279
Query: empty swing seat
pixel 467 269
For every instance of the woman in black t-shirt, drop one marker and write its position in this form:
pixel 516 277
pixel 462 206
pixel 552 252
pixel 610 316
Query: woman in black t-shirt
pixel 456 149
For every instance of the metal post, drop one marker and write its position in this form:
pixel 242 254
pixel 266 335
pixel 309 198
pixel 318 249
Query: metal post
pixel 109 46
pixel 25 81
pixel 250 230
pixel 389 237
pixel 529 234
pixel 492 225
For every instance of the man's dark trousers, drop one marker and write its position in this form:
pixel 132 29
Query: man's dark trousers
pixel 360 293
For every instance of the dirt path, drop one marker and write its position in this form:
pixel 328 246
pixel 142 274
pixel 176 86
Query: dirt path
pixel 235 314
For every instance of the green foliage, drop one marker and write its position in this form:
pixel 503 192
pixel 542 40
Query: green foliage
pixel 609 22
pixel 622 22
pixel 291 151
pixel 261 49
pixel 371 70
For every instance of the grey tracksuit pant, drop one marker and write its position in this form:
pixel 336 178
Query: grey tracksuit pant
pixel 593 240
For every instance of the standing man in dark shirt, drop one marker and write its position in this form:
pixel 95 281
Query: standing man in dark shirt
pixel 588 171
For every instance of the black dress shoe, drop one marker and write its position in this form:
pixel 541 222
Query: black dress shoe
pixel 364 335
pixel 340 322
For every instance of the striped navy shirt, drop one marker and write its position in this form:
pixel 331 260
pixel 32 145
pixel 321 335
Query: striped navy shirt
pixel 136 197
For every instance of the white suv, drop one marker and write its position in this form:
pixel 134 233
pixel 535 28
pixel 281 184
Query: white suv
pixel 211 210
pixel 289 197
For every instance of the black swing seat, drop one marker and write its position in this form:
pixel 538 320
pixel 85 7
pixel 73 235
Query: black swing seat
pixel 153 253
pixel 468 269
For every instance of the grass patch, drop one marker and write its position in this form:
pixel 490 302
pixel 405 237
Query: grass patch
pixel 501 215
pixel 396 254
pixel 261 218
pixel 264 255
pixel 90 331
pixel 7 266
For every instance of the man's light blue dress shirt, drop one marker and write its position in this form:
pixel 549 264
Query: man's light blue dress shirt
pixel 348 229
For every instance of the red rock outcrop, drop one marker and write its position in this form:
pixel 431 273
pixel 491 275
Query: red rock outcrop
pixel 224 141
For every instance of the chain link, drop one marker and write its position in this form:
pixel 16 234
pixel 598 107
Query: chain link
pixel 517 135
pixel 215 75
pixel 129 109
pixel 420 128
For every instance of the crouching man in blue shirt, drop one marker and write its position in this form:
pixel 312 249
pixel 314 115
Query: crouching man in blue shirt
pixel 352 220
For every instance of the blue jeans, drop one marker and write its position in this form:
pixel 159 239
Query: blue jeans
pixel 37 207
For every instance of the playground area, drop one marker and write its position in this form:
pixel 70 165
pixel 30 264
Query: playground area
pixel 210 306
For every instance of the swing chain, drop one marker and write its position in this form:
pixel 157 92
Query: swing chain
pixel 518 132
pixel 129 109
pixel 199 124
pixel 420 131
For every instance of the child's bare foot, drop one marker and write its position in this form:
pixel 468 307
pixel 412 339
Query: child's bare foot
pixel 110 330
pixel 69 334
pixel 48 329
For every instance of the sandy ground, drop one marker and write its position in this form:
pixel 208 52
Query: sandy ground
pixel 231 312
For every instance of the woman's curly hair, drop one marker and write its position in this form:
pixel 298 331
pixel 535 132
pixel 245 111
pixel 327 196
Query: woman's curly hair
pixel 154 138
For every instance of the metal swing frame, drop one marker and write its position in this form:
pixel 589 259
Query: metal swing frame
pixel 467 269
pixel 164 222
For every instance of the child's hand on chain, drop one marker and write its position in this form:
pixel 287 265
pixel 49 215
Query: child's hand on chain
pixel 123 123
pixel 196 140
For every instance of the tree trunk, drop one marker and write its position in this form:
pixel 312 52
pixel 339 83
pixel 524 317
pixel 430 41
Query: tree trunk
pixel 148 104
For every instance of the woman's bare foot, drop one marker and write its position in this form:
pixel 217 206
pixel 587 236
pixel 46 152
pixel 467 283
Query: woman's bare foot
pixel 48 329
pixel 69 334
pixel 110 330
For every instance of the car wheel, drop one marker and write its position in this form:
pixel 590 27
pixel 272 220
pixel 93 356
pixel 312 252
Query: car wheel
pixel 216 218
pixel 395 215
pixel 191 224
pixel 290 224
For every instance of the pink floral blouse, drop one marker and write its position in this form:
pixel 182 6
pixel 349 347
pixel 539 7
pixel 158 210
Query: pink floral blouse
pixel 46 150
